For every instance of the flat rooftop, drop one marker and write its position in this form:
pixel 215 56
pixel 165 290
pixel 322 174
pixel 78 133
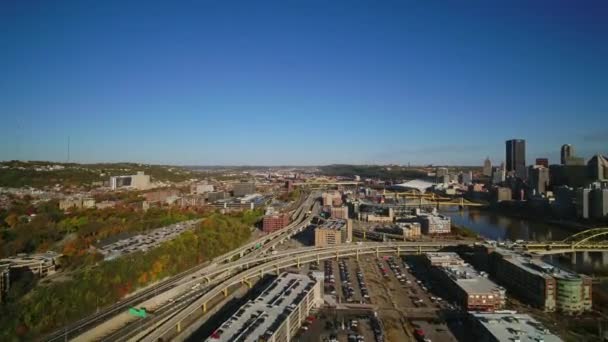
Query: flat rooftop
pixel 463 274
pixel 26 259
pixel 267 312
pixel 513 326
pixel 333 224
pixel 470 280
pixel 535 266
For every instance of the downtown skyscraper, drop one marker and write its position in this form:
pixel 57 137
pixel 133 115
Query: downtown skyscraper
pixel 516 157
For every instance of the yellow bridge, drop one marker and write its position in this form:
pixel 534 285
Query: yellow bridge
pixel 432 199
pixel 590 240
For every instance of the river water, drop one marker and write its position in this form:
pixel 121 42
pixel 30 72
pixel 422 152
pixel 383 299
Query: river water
pixel 495 226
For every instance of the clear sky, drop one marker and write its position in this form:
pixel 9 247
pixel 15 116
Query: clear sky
pixel 301 82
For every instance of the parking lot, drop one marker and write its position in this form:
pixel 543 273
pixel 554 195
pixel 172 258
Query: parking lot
pixel 342 326
pixel 406 307
pixel 398 291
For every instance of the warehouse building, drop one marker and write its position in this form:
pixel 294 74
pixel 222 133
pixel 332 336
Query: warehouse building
pixel 509 326
pixel 472 290
pixel 540 284
pixel 276 314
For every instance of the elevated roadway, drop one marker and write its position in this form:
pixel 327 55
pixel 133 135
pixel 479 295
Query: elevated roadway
pixel 165 327
pixel 78 327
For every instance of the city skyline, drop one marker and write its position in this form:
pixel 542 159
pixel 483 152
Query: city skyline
pixel 303 84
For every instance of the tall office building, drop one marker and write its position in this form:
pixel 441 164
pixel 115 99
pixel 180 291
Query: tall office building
pixel 487 167
pixel 516 157
pixel 567 152
pixel 539 179
pixel 597 168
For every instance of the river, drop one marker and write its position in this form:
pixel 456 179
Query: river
pixel 495 226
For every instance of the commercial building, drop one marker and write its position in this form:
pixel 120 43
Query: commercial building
pixel 276 314
pixel 567 151
pixel 597 168
pixel 516 157
pixel 592 202
pixel 40 265
pixel 508 326
pixel 339 212
pixel 375 217
pixel 216 196
pixel 564 201
pixel 498 176
pixel 408 230
pixel 333 232
pixel 202 188
pixel 581 202
pixel 528 279
pixel 570 175
pixel 444 259
pixel 431 223
pixel 542 162
pixel 466 178
pixel 598 199
pixel 503 194
pixel 139 181
pixel 487 167
pixel 243 188
pixel 538 283
pixel 472 290
pixel 270 223
pixel 332 198
pixel 441 171
pixel 76 203
pixel 539 179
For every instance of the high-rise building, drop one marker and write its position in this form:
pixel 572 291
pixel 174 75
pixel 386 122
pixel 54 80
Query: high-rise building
pixel 487 167
pixel 581 202
pixel 566 152
pixel 539 179
pixel 466 178
pixel 498 176
pixel 599 202
pixel 542 162
pixel 516 157
pixel 597 168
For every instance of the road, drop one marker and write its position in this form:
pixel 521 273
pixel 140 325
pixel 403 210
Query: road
pixel 91 321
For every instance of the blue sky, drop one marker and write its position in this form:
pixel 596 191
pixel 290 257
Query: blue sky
pixel 301 82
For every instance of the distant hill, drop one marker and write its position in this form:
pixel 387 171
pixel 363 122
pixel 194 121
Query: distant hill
pixel 39 174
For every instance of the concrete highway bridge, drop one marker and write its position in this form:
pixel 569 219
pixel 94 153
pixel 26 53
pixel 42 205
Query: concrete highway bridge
pixel 243 272
pixel 254 249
